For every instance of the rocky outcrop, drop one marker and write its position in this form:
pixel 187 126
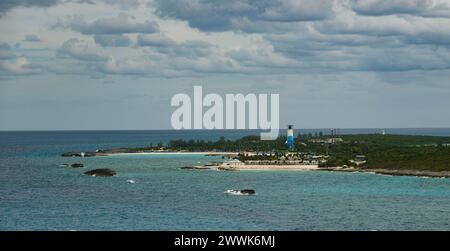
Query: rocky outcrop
pixel 226 168
pixel 418 173
pixel 392 172
pixel 79 154
pixel 101 172
pixel 195 168
pixel 248 191
pixel 75 165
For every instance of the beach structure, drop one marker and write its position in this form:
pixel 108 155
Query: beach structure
pixel 290 137
pixel 233 162
pixel 327 140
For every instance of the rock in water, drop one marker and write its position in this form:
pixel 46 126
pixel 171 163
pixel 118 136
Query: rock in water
pixel 248 192
pixel 78 154
pixel 101 172
pixel 195 168
pixel 75 165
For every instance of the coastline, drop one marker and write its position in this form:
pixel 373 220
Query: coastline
pixel 127 151
pixel 415 173
pixel 268 167
pixel 171 153
pixel 390 172
pixel 260 167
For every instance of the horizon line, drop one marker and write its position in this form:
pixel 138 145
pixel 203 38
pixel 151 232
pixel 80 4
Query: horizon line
pixel 165 129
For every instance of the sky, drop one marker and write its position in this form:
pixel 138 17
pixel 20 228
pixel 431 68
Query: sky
pixel 106 65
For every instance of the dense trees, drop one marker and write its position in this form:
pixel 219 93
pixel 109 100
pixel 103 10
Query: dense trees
pixel 381 151
pixel 247 143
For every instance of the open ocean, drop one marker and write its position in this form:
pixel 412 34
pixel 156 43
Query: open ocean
pixel 37 194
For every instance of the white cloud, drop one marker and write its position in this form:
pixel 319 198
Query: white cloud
pixel 112 40
pixel 431 8
pixel 6 5
pixel 115 25
pixel 262 37
pixel 17 66
pixel 32 38
pixel 247 15
pixel 81 50
pixel 128 66
pixel 6 55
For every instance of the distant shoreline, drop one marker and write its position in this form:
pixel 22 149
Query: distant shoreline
pixel 172 153
pixel 131 152
pixel 269 167
pixel 399 155
pixel 415 173
pixel 272 167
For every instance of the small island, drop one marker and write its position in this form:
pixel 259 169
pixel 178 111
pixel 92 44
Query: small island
pixel 383 154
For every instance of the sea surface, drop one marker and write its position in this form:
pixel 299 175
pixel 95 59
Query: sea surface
pixel 36 193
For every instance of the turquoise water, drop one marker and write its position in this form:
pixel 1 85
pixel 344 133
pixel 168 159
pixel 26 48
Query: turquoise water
pixel 37 194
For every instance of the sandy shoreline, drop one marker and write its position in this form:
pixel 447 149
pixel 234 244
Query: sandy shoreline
pixel 243 167
pixel 388 172
pixel 270 167
pixel 173 153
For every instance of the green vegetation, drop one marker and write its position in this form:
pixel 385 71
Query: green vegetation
pixel 247 143
pixel 396 152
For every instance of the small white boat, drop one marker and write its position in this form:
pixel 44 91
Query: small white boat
pixel 233 192
pixel 131 181
pixel 240 192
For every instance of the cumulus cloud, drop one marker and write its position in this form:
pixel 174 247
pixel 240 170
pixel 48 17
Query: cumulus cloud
pixel 112 40
pixel 6 5
pixel 4 46
pixel 399 59
pixel 209 15
pixel 166 45
pixel 430 8
pixel 260 57
pixel 267 37
pixel 12 64
pixel 32 38
pixel 156 40
pixel 81 50
pixel 415 29
pixel 335 54
pixel 297 10
pixel 124 4
pixel 128 66
pixel 350 42
pixel 207 65
pixel 194 56
pixel 116 25
pixel 6 54
pixel 18 66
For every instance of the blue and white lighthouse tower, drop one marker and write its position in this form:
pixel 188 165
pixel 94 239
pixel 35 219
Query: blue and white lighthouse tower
pixel 290 137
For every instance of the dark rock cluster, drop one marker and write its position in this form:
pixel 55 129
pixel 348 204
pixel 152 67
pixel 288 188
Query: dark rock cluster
pixel 101 172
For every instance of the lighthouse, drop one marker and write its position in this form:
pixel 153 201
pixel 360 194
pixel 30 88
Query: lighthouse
pixel 290 137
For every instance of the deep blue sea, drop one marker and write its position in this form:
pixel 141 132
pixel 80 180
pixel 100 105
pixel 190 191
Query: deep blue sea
pixel 37 194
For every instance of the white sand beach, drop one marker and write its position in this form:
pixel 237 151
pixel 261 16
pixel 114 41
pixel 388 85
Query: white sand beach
pixel 175 153
pixel 270 167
